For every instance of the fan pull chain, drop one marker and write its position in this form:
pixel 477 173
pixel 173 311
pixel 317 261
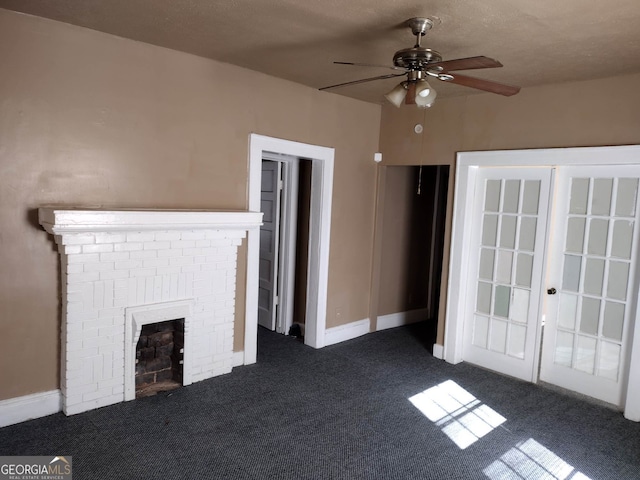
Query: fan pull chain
pixel 420 131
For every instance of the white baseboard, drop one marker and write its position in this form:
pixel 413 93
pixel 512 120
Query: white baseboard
pixel 238 359
pixel 28 407
pixel 393 320
pixel 342 333
pixel 438 351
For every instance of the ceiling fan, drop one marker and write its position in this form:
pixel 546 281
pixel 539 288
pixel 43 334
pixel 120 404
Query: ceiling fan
pixel 418 63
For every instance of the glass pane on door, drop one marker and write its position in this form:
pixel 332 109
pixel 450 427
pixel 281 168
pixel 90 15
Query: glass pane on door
pixel 503 287
pixel 597 261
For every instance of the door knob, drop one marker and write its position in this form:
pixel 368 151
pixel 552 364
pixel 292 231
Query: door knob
pixel 551 291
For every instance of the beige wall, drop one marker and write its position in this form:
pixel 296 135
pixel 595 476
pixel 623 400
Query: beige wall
pixel 396 240
pixel 406 225
pixel 92 120
pixel 590 113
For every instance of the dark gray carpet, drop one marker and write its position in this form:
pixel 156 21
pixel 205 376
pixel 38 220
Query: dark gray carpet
pixel 337 413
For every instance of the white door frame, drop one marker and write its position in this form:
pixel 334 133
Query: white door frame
pixel 467 164
pixel 319 235
pixel 288 227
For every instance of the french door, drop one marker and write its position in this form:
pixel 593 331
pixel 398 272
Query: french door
pixel 591 272
pixel 554 246
pixel 504 288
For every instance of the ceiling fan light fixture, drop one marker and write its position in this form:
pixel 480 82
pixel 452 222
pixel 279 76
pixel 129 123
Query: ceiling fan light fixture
pixel 423 89
pixel 427 100
pixel 396 96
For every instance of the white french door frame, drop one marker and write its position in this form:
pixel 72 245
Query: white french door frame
pixel 467 164
pixel 322 159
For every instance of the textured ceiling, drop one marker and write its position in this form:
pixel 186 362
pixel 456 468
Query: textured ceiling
pixel 537 41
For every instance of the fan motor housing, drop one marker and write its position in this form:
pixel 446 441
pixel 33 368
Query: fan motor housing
pixel 415 58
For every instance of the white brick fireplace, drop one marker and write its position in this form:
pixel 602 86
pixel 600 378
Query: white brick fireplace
pixel 123 269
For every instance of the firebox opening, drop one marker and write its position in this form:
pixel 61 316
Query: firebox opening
pixel 159 357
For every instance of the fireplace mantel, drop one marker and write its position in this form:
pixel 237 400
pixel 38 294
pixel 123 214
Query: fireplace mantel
pixel 60 221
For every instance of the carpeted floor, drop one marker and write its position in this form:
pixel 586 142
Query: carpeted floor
pixel 343 412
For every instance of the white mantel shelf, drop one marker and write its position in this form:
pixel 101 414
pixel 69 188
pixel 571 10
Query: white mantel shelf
pixel 58 221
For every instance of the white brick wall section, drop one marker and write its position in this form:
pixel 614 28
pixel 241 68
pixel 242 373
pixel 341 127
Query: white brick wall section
pixel 74 268
pixel 127 265
pixel 83 258
pixel 142 254
pixel 191 268
pixel 180 261
pixel 98 267
pixel 194 235
pixel 127 247
pixel 140 237
pixel 171 252
pixel 167 236
pixel 155 262
pixel 111 257
pixel 115 274
pixel 156 245
pixel 180 244
pixel 110 237
pixel 77 239
pixel 217 234
pixel 97 248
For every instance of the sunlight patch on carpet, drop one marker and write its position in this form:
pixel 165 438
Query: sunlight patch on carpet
pixel 460 415
pixel 531 460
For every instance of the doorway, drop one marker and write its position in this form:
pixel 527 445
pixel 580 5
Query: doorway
pixel 547 240
pixel 410 221
pixel 321 159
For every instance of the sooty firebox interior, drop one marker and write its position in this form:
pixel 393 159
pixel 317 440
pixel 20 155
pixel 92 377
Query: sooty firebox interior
pixel 159 355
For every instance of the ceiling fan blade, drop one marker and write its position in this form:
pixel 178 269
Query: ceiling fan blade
pixel 355 82
pixel 466 64
pixel 486 85
pixel 368 65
